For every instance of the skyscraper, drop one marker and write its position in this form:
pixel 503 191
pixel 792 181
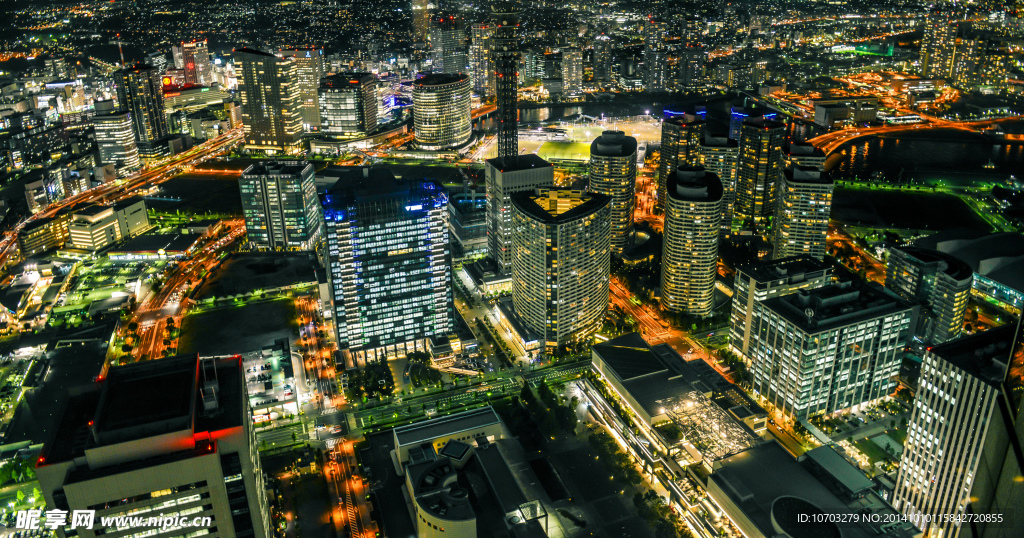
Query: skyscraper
pixel 280 206
pixel 270 101
pixel 115 138
pixel 503 179
pixel 480 67
pixel 655 58
pixel 389 263
pixel 938 46
pixel 689 254
pixel 720 155
pixel 348 104
pixel 802 210
pixel 690 66
pixel 195 59
pixel 680 146
pixel 613 173
pixel 505 59
pixel 761 280
pixel 442 105
pixel 560 262
pixel 572 70
pixel 940 281
pixel 172 437
pixel 760 166
pixel 602 60
pixel 448 44
pixel 828 349
pixel 139 92
pixel 309 69
pixel 960 437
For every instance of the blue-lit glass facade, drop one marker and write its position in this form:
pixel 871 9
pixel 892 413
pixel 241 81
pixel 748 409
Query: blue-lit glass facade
pixel 390 266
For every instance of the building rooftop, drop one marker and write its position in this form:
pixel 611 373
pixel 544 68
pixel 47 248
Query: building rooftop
pixel 694 184
pixel 147 399
pixel 948 264
pixel 553 205
pixel 755 480
pixel 998 256
pixel 630 356
pixel 91 210
pixel 344 80
pixel 791 269
pixel 428 430
pixel 850 477
pixel 522 162
pixel 440 79
pixel 984 355
pixel 256 52
pixel 762 123
pixel 807 175
pixel 836 305
pixel 277 168
pixel 613 144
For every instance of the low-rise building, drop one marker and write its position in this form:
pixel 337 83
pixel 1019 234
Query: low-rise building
pixel 41 235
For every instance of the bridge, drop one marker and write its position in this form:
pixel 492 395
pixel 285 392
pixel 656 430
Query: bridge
pixel 830 142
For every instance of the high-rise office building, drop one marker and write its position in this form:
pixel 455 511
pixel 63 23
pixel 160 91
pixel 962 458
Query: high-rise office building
pixel 115 137
pixel 689 252
pixel 761 280
pixel 140 93
pixel 280 206
pixel 760 166
pixel 271 107
pixel 802 210
pixel 720 155
pixel 942 283
pixel 505 59
pixel 448 44
pixel 171 438
pixel 389 263
pixel 680 146
pixel 442 105
pixel 613 173
pixel 195 58
pixel 502 180
pixel 655 57
pixel 560 262
pixel 572 70
pixel 828 349
pixel 309 69
pixel 962 449
pixel 480 67
pixel 348 104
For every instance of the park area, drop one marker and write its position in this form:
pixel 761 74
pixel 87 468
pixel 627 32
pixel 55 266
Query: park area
pixel 908 210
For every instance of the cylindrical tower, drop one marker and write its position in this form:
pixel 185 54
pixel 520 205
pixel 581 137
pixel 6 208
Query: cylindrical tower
pixel 689 259
pixel 441 110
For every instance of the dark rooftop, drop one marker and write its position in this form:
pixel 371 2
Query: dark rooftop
pixel 247 50
pixel 984 355
pixel 956 268
pixel 836 305
pixel 425 431
pixel 694 184
pixel 614 144
pixel 345 80
pixel 440 79
pixel 522 162
pixel 276 168
pixel 630 356
pixel 793 269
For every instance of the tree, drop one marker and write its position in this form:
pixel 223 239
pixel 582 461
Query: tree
pixel 126 348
